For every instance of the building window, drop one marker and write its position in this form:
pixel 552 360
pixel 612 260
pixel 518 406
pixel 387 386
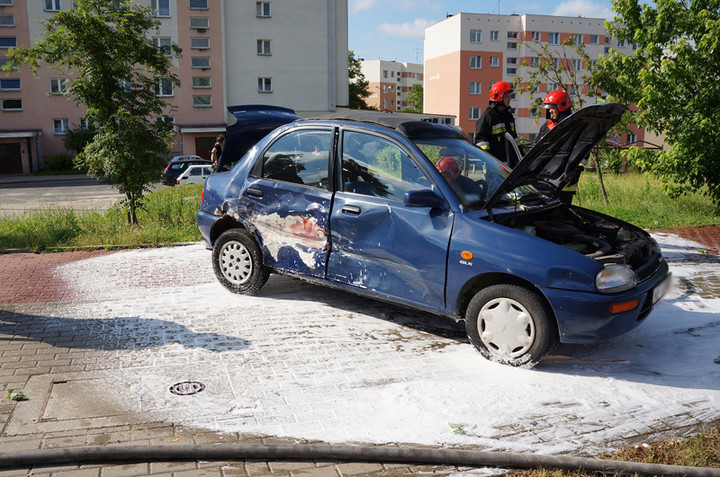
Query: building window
pixel 6 3
pixel 475 87
pixel 12 105
pixel 60 126
pixel 535 36
pixel 8 42
pixel 202 101
pixel 9 85
pixel 554 38
pixel 573 90
pixel 511 71
pixel 200 62
pixel 593 63
pixel 475 36
pixel 52 5
pixel 200 43
pixel 200 23
pixel 198 4
pixel 494 35
pixel 511 60
pixel 631 139
pixel 621 43
pixel 577 65
pixel 58 86
pixel 263 9
pixel 494 61
pixel 86 123
pixel 263 48
pixel 512 66
pixel 264 85
pixel 512 35
pixel 160 8
pixel 201 82
pixel 476 62
pixel 164 87
pixel 7 20
pixel 474 114
pixel 594 40
pixel 534 61
pixel 512 45
pixel 577 39
pixel 163 43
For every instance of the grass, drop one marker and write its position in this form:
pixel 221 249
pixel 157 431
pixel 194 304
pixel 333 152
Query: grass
pixel 168 216
pixel 699 450
pixel 640 200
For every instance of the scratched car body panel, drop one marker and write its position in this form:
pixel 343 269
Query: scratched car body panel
pixel 356 202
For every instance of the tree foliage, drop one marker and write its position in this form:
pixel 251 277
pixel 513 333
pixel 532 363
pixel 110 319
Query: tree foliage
pixel 672 76
pixel 104 46
pixel 554 66
pixel 358 84
pixel 415 98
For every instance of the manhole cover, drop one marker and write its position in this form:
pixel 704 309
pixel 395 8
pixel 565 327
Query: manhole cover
pixel 187 388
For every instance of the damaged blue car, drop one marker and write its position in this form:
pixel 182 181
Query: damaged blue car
pixel 410 212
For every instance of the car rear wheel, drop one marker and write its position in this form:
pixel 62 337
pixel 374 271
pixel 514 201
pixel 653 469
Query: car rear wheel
pixel 237 262
pixel 510 324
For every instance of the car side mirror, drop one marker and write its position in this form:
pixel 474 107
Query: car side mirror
pixel 424 198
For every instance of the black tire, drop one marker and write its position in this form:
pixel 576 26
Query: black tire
pixel 238 263
pixel 511 325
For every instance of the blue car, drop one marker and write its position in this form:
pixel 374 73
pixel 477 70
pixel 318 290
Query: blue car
pixel 410 212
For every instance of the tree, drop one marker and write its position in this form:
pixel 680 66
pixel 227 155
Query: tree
pixel 672 76
pixel 358 84
pixel 105 47
pixel 554 66
pixel 76 139
pixel 415 98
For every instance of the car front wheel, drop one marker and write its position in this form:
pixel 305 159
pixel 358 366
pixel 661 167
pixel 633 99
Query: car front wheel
pixel 510 324
pixel 237 262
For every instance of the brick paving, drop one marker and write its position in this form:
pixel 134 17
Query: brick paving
pixel 27 280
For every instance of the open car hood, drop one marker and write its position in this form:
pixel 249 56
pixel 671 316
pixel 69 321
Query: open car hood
pixel 557 155
pixel 254 122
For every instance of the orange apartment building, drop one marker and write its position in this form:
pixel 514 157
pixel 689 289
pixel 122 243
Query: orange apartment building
pixel 390 83
pixel 290 53
pixel 467 53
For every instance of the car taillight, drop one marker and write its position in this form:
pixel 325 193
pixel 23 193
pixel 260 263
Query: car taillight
pixel 202 196
pixel 166 167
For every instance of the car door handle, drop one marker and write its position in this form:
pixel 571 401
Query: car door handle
pixel 254 192
pixel 351 209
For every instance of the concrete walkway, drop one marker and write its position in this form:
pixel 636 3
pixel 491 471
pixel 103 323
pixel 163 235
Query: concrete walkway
pixel 52 362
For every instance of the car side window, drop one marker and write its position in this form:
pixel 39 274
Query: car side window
pixel 300 157
pixel 375 166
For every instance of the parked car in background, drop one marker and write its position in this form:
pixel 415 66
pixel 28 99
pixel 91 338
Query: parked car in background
pixel 195 174
pixel 178 165
pixel 410 212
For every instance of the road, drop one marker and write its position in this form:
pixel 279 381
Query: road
pixel 78 193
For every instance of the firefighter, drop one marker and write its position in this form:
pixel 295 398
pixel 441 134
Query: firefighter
pixel 557 105
pixel 495 122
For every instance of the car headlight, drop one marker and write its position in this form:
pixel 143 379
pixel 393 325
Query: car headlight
pixel 615 278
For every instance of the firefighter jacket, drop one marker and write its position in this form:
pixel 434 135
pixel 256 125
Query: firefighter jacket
pixel 490 134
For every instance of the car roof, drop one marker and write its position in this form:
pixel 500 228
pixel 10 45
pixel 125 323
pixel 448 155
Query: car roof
pixel 189 159
pixel 405 125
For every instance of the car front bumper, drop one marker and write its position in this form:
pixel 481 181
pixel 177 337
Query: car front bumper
pixel 586 318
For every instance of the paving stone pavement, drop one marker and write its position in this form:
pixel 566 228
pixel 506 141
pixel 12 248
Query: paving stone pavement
pixel 30 286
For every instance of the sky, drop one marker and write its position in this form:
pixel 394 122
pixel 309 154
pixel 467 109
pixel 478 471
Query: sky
pixel 394 31
pixel 309 362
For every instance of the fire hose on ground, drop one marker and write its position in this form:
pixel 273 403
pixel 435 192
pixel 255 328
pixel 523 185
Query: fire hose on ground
pixel 334 453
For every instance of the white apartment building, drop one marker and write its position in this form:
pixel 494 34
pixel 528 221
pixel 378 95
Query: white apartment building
pixel 290 53
pixel 466 53
pixel 390 83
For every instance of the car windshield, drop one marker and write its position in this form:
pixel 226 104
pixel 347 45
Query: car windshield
pixel 472 173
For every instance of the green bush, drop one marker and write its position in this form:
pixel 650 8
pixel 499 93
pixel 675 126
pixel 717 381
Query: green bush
pixel 59 162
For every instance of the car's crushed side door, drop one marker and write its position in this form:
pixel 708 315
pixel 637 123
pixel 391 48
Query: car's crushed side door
pixel 287 201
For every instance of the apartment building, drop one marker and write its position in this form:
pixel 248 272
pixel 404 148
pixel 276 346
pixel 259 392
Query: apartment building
pixel 290 53
pixel 467 53
pixel 390 83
